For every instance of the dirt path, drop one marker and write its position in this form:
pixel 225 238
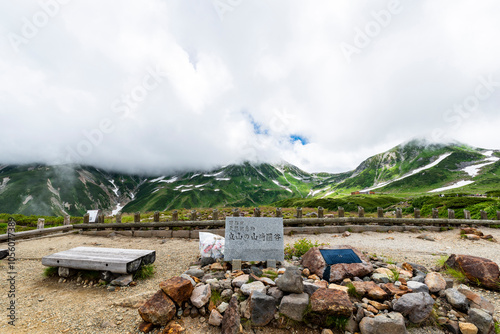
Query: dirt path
pixel 43 305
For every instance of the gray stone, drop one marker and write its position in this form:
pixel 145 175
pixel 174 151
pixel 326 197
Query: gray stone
pixel 256 286
pixel 456 299
pixel 226 295
pixel 291 281
pixel 482 320
pixel 310 288
pixel 196 272
pixel 215 318
pixel 236 264
pixel 390 323
pixel 417 286
pixel 66 272
pixel 449 283
pixel 380 278
pixel 254 239
pixel 123 280
pixel 294 305
pixel 276 293
pixel 201 295
pixel 189 278
pixel 262 309
pixel 417 306
pixel 205 261
pixel 240 280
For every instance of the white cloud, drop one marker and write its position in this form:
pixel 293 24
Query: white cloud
pixel 278 64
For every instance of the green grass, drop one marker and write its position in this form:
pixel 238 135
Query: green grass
pixel 145 272
pixel 336 322
pixel 300 247
pixel 395 274
pixel 50 271
pixel 351 290
pixel 271 274
pixel 215 298
pixel 91 275
pixel 497 327
pixel 456 274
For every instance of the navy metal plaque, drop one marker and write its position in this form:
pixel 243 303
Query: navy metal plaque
pixel 334 256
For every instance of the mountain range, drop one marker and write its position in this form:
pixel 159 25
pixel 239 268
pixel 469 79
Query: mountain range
pixel 413 168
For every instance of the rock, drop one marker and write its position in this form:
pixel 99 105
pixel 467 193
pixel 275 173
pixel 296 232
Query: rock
pixel 427 237
pixel 477 301
pixel 467 328
pixel 201 295
pixel 417 306
pixel 456 299
pixel 477 269
pixel 381 278
pixel 222 307
pixel 262 308
pixel 146 327
pixel 338 287
pixel 390 323
pixel 189 278
pixel 240 280
pixel 267 281
pixel 158 310
pixel 205 261
pixel 215 318
pixel 472 237
pixel 435 282
pixel 371 289
pixel 326 331
pixel 452 326
pixel 306 272
pixel 276 293
pixel 231 319
pixel 179 289
pixel 449 283
pixel 331 302
pixel 173 328
pixel 123 280
pixel 294 306
pixel 483 321
pixel 291 281
pixel 256 271
pixel 195 272
pixel 66 272
pixel 313 260
pixel 378 305
pixel 417 286
pixel 310 288
pixel 248 288
pixel 216 267
pixel 226 294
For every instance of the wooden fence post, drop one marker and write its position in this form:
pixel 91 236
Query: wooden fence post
pixel 137 217
pixel 215 214
pixel 399 213
pixel 341 212
pixel 40 225
pixel 416 212
pixel 156 216
pixel 175 215
pixel 320 212
pixel 256 212
pixel 380 212
pixel 118 218
pixel 435 213
pixel 86 218
pixel 279 212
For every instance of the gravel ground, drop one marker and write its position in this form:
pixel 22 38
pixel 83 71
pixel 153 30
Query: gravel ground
pixel 43 305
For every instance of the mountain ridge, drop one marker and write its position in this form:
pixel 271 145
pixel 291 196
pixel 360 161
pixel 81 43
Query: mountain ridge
pixel 416 166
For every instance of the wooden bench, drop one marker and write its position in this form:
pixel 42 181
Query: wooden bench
pixel 115 260
pixel 4 253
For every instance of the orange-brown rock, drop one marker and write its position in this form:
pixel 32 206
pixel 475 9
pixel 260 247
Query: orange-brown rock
pixel 393 290
pixel 331 302
pixel 177 288
pixel 158 310
pixel 173 328
pixel 477 269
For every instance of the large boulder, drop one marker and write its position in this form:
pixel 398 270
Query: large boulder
pixel 262 308
pixel 338 272
pixel 390 323
pixel 177 288
pixel 291 281
pixel 418 306
pixel 478 270
pixel 158 310
pixel 456 299
pixel 294 305
pixel 231 319
pixel 331 302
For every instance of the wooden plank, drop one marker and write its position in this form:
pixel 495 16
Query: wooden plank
pixel 32 233
pixel 115 260
pixel 4 253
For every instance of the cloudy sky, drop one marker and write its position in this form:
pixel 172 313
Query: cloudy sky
pixel 159 85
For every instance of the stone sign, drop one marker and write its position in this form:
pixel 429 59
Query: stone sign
pixel 254 239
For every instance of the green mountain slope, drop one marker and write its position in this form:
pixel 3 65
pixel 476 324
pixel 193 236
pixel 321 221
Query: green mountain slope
pixel 411 169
